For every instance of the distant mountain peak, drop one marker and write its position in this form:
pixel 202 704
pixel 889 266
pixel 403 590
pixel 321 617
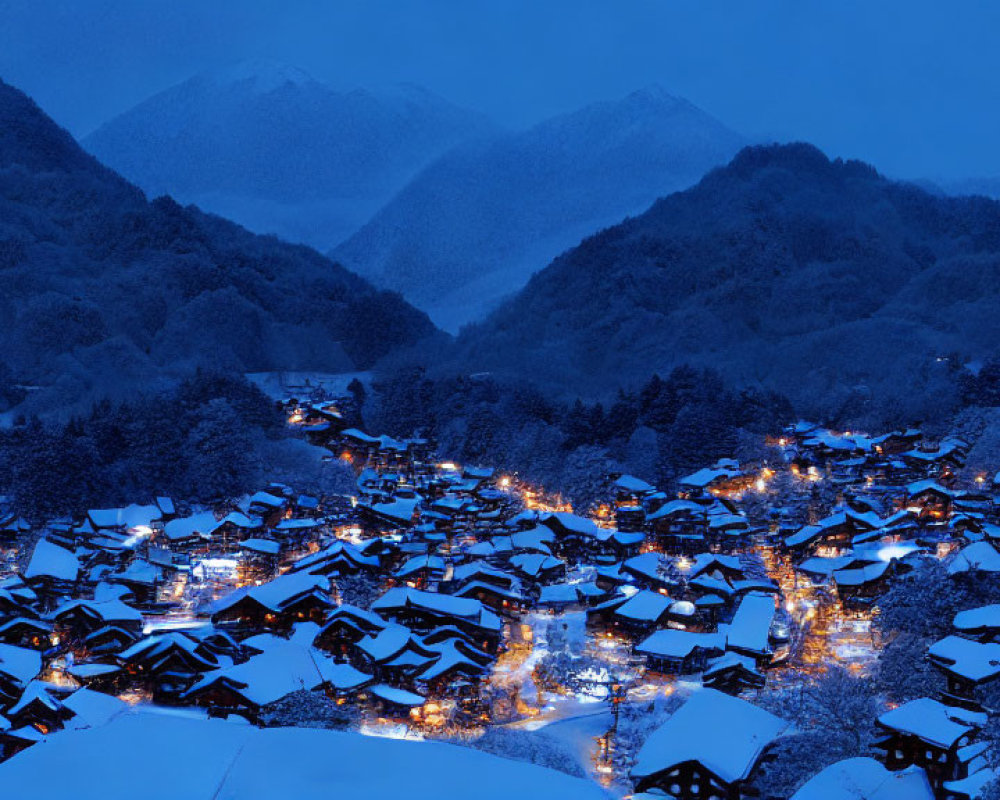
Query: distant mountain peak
pixel 655 93
pixel 263 75
pixel 799 157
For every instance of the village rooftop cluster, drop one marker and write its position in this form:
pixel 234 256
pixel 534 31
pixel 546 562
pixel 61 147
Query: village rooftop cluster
pixel 423 605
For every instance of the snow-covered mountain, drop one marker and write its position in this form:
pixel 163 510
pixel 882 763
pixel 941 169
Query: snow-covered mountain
pixel 474 225
pixel 280 152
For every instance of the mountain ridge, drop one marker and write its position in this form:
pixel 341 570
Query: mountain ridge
pixel 279 151
pixel 474 224
pixel 104 291
pixel 818 278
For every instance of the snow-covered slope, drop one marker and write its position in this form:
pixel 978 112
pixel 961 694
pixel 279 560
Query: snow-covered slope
pixel 158 756
pixel 474 225
pixel 280 152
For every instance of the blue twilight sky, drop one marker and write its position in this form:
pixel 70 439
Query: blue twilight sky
pixel 910 85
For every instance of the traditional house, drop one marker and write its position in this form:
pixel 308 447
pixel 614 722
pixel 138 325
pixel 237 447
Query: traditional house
pixel 186 534
pixel 929 500
pixel 52 570
pixel 338 558
pixel 977 557
pixel 278 604
pixel 863 778
pixel 345 627
pixel 424 611
pixel 280 668
pixel 421 571
pixel 18 667
pixel 27 632
pixel 708 748
pixel 749 632
pixel 733 674
pixel 967 665
pixel 982 624
pixel 928 734
pixel 676 652
pixel 538 567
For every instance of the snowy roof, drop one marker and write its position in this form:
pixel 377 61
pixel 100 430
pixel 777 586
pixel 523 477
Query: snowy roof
pixel 644 606
pixel 630 483
pixel 724 734
pixel 711 561
pixel 418 563
pixel 803 535
pixel 865 778
pixel 973 660
pixel 981 556
pixel 459 607
pixel 930 485
pixel 704 477
pixel 751 624
pixel 284 667
pixel 166 505
pixel 727 660
pixel 675 507
pixel 386 643
pixel 239 519
pixel 35 691
pixel 399 697
pixel 859 576
pixel 266 499
pixel 19 663
pixel 572 522
pixel 201 524
pixel 534 539
pixel 650 565
pixel 107 610
pixel 534 563
pixel 297 524
pixel 971 786
pixel 275 594
pixel 139 571
pixel 228 760
pixel 557 594
pixel 978 618
pixel 52 561
pixel 128 517
pixel 265 546
pixel 92 708
pixel 400 509
pixel 931 721
pixel 671 643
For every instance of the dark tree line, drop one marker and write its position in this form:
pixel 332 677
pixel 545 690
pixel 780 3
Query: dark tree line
pixel 198 441
pixel 669 426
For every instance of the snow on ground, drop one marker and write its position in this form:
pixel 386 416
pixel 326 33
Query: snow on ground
pixel 161 757
pixel 280 385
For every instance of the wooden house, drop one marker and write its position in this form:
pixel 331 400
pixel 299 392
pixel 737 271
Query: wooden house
pixel 733 674
pixel 676 652
pixel 709 748
pixel 930 735
pixel 967 666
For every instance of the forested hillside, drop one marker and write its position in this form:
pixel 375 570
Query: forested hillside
pixel 102 291
pixel 819 279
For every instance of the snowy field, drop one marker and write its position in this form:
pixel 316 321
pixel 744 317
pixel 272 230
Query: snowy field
pixel 169 756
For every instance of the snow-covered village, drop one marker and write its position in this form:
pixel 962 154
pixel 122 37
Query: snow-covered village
pixel 821 613
pixel 476 400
